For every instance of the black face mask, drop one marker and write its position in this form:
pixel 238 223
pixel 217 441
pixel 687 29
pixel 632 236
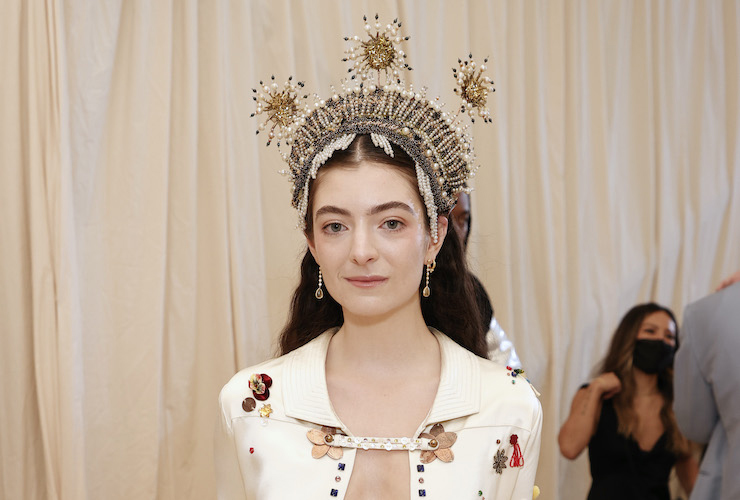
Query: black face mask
pixel 652 356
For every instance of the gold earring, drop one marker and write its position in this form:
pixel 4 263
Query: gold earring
pixel 430 269
pixel 319 292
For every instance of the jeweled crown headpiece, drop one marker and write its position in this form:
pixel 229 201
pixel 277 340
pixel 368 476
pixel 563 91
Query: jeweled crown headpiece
pixel 388 111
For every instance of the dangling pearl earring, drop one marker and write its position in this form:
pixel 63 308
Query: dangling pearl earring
pixel 319 292
pixel 430 269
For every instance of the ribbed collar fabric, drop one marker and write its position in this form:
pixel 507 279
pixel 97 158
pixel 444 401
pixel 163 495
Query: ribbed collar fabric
pixel 306 397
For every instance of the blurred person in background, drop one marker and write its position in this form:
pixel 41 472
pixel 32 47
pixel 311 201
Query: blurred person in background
pixel 625 414
pixel 500 348
pixel 707 381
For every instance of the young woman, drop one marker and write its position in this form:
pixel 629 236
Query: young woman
pixel 625 414
pixel 382 390
pixel 370 399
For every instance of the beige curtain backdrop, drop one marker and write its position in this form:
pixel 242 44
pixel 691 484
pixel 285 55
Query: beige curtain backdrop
pixel 147 249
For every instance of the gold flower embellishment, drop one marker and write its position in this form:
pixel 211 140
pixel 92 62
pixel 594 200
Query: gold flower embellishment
pixel 322 439
pixel 444 441
pixel 379 52
pixel 474 87
pixel 284 108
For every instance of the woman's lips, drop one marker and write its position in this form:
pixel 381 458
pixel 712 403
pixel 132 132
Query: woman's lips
pixel 366 281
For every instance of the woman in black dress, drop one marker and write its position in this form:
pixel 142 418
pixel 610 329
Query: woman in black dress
pixel 625 414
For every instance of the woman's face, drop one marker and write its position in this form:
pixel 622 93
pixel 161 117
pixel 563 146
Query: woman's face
pixel 370 238
pixel 658 326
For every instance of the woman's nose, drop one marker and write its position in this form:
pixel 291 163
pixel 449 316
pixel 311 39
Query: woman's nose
pixel 363 249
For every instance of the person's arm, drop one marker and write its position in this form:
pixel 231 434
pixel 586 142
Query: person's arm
pixel 687 468
pixel 229 481
pixel 693 400
pixel 581 424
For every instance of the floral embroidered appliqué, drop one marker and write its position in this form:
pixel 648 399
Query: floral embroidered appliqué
pixel 321 439
pixel 499 461
pixel 260 384
pixel 444 441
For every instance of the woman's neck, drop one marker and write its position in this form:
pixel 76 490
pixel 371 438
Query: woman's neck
pixel 646 384
pixel 400 338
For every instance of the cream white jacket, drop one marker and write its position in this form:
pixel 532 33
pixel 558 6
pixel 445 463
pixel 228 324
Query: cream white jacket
pixel 267 455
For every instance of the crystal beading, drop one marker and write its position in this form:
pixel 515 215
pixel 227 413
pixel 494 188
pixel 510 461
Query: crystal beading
pixel 388 444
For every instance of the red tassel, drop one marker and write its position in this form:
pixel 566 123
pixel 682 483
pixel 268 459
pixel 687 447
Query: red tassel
pixel 517 460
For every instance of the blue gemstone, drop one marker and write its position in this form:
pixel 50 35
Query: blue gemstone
pixel 422 493
pixel 334 493
pixel 419 468
pixel 340 466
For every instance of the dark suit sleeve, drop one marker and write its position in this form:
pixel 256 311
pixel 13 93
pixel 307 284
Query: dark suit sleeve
pixel 693 404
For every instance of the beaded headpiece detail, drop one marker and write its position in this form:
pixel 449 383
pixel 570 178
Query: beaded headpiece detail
pixel 376 101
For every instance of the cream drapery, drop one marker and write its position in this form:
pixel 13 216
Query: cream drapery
pixel 146 242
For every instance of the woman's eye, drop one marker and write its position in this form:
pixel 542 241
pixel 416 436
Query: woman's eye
pixel 393 224
pixel 334 227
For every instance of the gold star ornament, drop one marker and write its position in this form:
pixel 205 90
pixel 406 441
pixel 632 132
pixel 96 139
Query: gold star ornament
pixel 473 87
pixel 283 107
pixel 379 53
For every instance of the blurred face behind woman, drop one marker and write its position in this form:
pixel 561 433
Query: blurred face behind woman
pixel 370 237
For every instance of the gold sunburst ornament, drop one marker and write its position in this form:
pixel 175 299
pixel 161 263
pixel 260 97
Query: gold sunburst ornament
pixel 379 53
pixel 474 87
pixel 282 106
pixel 393 114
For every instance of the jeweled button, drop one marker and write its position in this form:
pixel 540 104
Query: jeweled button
pixel 249 404
pixel 329 438
pixel 433 443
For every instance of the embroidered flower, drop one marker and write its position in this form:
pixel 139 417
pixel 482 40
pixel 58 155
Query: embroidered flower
pixel 444 441
pixel 321 439
pixel 260 384
pixel 499 461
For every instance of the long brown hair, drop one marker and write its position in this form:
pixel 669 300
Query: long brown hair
pixel 619 361
pixel 452 306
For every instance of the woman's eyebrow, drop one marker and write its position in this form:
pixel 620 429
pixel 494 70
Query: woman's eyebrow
pixel 331 209
pixel 390 206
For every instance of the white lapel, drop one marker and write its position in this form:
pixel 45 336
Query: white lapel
pixel 306 396
pixel 459 384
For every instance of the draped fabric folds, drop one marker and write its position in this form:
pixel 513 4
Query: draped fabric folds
pixel 146 242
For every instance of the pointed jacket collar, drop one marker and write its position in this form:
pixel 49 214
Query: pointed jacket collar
pixel 306 397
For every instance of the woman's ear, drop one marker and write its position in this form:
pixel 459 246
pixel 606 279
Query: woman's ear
pixel 311 246
pixel 433 249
